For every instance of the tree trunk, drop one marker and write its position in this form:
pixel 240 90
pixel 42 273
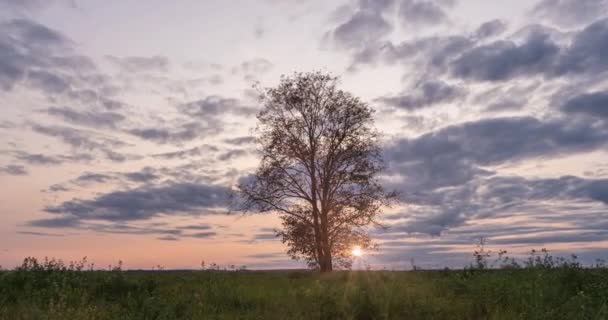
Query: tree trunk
pixel 325 243
pixel 318 241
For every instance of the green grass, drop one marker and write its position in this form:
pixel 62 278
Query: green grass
pixel 54 291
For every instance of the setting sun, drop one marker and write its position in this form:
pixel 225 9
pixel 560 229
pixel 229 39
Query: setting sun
pixel 357 252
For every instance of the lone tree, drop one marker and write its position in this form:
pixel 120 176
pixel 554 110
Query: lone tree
pixel 320 161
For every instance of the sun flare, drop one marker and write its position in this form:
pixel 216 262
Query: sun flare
pixel 357 252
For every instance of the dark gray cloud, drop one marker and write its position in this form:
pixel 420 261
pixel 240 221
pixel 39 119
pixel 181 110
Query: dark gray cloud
pixel 265 236
pixel 502 60
pixel 455 154
pixel 4 124
pixel 145 175
pixel 14 170
pixel 502 196
pixel 362 27
pixel 447 174
pixel 587 53
pixel 555 238
pixel 58 223
pixel 570 13
pixel 267 256
pixel 430 54
pixel 141 64
pixel 146 202
pixel 231 154
pixel 96 119
pixel 85 141
pixel 506 97
pixel 89 178
pixel 537 55
pixel 22 6
pixel 491 29
pixel 39 57
pixel 177 134
pixel 37 158
pixel 533 51
pixel 57 188
pixel 215 106
pixel 188 153
pixel 41 234
pixel 202 235
pixel 239 141
pixel 361 23
pixel 196 227
pixel 20 42
pixel 168 238
pixel 420 13
pixel 47 81
pixel 379 6
pixel 593 104
pixel 86 179
pixel 427 94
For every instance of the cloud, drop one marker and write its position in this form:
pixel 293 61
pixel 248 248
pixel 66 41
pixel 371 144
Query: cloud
pixel 587 53
pixel 239 141
pixel 231 154
pixel 265 236
pixel 491 29
pixel 188 153
pixel 96 119
pixel 430 54
pixel 47 81
pixel 506 98
pixel 42 234
pixel 537 55
pixel 593 104
pixel 42 58
pixel 428 94
pixel 196 227
pixel 57 188
pixel 61 222
pixel 84 141
pixel 455 154
pixel 182 133
pixel 89 177
pixel 203 235
pixel 365 23
pixel 14 170
pixel 146 202
pixel 419 13
pixel 20 42
pixel 502 196
pixel 503 60
pixel 447 176
pixel 145 175
pixel 215 106
pixel 37 158
pixel 22 6
pixel 255 66
pixel 168 238
pixel 141 64
pixel 570 13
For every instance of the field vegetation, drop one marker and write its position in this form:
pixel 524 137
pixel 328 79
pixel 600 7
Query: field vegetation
pixel 540 287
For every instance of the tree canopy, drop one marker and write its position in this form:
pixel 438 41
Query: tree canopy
pixel 320 160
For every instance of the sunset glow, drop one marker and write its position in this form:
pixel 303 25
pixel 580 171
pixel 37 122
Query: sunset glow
pixel 125 125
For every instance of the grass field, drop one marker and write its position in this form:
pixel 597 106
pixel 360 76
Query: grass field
pixel 51 290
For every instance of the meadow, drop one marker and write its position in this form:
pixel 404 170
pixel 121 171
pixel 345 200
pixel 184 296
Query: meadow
pixel 541 288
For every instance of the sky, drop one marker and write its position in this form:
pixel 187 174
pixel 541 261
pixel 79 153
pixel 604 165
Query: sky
pixel 123 125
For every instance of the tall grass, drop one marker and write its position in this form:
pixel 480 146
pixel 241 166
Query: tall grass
pixel 541 287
